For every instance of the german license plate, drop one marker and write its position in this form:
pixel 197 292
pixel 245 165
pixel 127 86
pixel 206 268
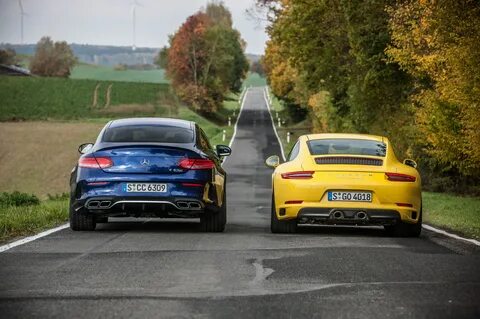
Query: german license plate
pixel 349 196
pixel 145 188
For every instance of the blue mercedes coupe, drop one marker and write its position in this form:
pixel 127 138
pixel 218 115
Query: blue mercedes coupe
pixel 149 167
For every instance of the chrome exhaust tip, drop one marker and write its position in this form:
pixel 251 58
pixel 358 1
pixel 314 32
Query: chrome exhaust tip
pixel 93 204
pixel 361 215
pixel 104 204
pixel 182 205
pixel 194 205
pixel 338 214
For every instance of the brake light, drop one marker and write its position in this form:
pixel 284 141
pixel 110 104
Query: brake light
pixel 192 184
pixel 196 163
pixel 397 177
pixel 298 175
pixel 404 205
pixel 92 162
pixel 294 202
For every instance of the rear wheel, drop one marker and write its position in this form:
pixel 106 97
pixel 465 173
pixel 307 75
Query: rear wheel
pixel 215 222
pixel 402 229
pixel 80 221
pixel 281 226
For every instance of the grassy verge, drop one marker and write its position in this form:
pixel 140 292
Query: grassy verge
pixel 18 221
pixel 455 213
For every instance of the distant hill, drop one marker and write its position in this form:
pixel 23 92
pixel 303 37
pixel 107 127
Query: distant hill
pixel 106 55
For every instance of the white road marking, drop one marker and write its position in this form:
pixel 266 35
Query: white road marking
pixel 32 238
pixel 273 124
pixel 236 123
pixel 442 232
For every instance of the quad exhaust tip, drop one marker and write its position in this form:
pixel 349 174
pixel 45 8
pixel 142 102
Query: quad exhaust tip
pixel 361 215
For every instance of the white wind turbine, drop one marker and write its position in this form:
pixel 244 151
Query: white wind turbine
pixel 22 14
pixel 134 4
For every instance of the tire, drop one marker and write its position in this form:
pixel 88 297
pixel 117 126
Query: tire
pixel 102 219
pixel 402 229
pixel 80 221
pixel 214 222
pixel 281 226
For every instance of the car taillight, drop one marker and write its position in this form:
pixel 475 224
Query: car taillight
pixel 92 162
pixel 397 177
pixel 298 175
pixel 196 163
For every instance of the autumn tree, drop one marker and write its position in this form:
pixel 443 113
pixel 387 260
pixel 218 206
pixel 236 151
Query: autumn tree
pixel 438 44
pixel 205 59
pixel 52 59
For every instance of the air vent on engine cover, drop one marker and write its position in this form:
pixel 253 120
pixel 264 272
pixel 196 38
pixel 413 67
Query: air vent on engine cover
pixel 349 160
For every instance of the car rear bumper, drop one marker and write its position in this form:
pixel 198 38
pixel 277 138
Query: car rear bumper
pixel 142 206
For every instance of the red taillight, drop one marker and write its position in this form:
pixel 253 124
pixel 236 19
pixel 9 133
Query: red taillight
pixel 196 163
pixel 298 175
pixel 92 162
pixel 404 205
pixel 294 202
pixel 397 177
pixel 192 184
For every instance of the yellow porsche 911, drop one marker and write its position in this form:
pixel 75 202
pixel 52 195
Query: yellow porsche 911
pixel 345 179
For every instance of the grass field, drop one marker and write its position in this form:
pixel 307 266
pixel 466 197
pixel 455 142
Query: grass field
pixel 54 98
pixel 18 221
pixel 103 73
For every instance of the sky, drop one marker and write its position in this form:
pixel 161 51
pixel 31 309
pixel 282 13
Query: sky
pixel 109 22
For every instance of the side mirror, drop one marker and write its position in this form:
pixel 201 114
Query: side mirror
pixel 273 161
pixel 85 147
pixel 223 150
pixel 410 162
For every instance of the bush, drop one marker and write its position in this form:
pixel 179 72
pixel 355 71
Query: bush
pixel 61 196
pixel 18 199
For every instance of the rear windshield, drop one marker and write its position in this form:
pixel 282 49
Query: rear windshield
pixel 148 133
pixel 347 147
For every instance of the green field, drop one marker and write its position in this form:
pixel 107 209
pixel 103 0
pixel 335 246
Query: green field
pixel 55 98
pixel 103 73
pixel 254 80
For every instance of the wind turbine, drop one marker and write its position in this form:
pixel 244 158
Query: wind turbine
pixel 135 4
pixel 22 14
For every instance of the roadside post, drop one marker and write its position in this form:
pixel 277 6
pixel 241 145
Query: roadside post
pixel 224 136
pixel 288 137
pixel 229 121
pixel 279 122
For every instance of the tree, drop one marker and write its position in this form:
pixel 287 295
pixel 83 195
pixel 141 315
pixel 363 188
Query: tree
pixel 257 67
pixel 205 59
pixel 52 59
pixel 8 56
pixel 438 44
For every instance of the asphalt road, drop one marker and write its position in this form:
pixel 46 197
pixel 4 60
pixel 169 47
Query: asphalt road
pixel 170 269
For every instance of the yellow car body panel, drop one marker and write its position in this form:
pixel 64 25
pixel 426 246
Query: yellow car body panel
pixel 313 192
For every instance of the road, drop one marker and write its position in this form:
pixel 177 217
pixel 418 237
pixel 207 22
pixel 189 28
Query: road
pixel 170 269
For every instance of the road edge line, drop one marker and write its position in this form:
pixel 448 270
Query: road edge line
pixel 273 124
pixel 32 238
pixel 244 97
pixel 445 233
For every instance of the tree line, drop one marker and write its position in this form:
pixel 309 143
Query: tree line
pixel 205 59
pixel 406 69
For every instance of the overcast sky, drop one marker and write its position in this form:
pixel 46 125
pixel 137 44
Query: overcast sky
pixel 110 21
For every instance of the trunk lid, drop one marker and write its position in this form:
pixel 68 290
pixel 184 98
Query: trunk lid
pixel 145 159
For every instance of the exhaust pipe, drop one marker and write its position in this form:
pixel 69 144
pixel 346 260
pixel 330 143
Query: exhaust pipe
pixel 182 205
pixel 194 205
pixel 338 214
pixel 93 204
pixel 361 215
pixel 104 204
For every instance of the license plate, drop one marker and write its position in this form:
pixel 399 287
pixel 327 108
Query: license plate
pixel 145 188
pixel 350 196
